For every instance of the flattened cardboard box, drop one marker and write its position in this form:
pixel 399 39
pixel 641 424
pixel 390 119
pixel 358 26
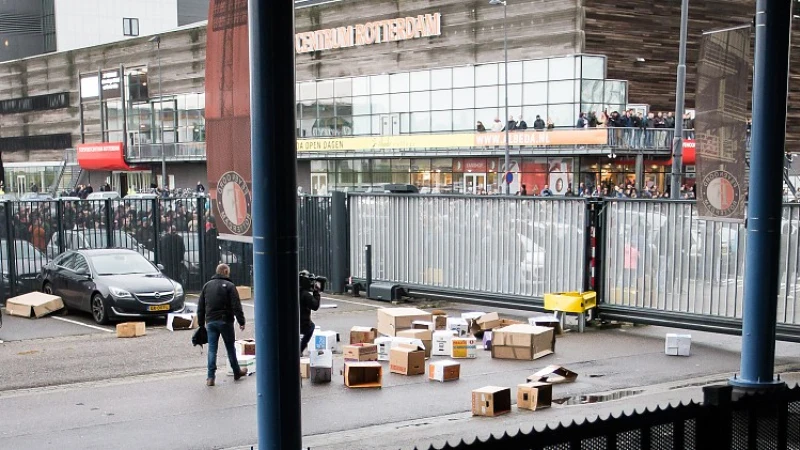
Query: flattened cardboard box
pixel 424 335
pixel 491 401
pixel 360 352
pixel 392 320
pixel 363 374
pixel 407 360
pixel 534 396
pixel 523 342
pixel 363 335
pixel 33 304
pixel 130 329
pixel 553 375
pixel 444 371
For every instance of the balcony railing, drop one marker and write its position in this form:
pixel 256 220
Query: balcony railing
pixel 183 151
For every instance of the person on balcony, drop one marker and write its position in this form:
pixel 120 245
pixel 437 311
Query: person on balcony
pixel 480 127
pixel 582 122
pixel 538 124
pixel 497 126
pixel 546 192
pixel 512 124
pixel 522 125
pixel 550 124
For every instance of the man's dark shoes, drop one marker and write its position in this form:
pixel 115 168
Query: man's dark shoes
pixel 242 372
pixel 209 382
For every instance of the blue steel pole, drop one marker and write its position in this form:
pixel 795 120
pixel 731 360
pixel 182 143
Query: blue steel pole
pixel 274 166
pixel 764 209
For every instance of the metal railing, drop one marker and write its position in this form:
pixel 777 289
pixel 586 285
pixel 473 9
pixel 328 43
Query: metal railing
pixel 195 151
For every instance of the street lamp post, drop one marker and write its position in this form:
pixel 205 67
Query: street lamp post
pixel 680 91
pixel 505 83
pixel 157 40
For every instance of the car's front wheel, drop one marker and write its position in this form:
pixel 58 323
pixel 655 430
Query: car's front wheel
pixel 99 309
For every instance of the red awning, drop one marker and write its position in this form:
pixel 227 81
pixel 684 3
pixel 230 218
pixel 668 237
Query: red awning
pixel 103 156
pixel 689 155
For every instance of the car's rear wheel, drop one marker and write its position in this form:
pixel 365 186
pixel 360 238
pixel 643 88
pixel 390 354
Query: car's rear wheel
pixel 47 288
pixel 99 309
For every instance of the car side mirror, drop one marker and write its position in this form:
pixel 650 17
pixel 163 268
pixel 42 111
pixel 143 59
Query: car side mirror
pixel 160 267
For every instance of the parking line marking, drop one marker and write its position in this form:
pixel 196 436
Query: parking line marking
pixel 83 324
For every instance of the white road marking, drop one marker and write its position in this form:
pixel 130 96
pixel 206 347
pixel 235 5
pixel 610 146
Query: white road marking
pixel 351 302
pixel 94 327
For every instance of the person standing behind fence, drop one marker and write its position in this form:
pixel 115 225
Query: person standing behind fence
pixel 212 256
pixel 172 253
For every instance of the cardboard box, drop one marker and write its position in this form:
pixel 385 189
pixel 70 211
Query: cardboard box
pixel 245 347
pixel 444 370
pixel 319 375
pixel 407 360
pixel 424 325
pixel 546 320
pixel 488 321
pixel 384 344
pixel 442 342
pixel 508 322
pixel 181 321
pixel 523 342
pixel 424 335
pixel 491 401
pixel 245 292
pixel 469 316
pixel 363 335
pixel 464 348
pixel 439 322
pixel 325 340
pixel 360 352
pixel 392 320
pixel 34 304
pixel 534 396
pixel 459 325
pixel 363 374
pixel 678 344
pixel 305 368
pixel 487 340
pixel 130 329
pixel 553 375
pixel 321 358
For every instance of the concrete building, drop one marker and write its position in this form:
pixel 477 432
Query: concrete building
pixel 386 92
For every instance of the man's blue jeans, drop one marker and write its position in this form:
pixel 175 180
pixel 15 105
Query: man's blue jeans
pixel 215 330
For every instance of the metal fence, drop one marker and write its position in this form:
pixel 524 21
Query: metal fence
pixel 764 421
pixel 659 256
pixel 507 246
pixel 314 234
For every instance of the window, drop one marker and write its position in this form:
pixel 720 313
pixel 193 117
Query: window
pixel 130 27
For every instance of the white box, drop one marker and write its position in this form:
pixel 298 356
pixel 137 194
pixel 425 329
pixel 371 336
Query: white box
pixel 322 340
pixel 384 346
pixel 320 358
pixel 464 348
pixel 245 362
pixel 423 325
pixel 469 316
pixel 678 344
pixel 442 341
pixel 409 341
pixel 459 325
pixel 445 370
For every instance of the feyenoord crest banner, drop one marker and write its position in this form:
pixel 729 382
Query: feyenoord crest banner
pixel 720 123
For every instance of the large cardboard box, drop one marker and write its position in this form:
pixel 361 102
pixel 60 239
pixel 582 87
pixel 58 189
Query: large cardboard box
pixel 464 348
pixel 384 344
pixel 245 347
pixel 130 329
pixel 491 401
pixel 553 375
pixel 305 368
pixel 442 342
pixel 407 360
pixel 360 352
pixel 459 325
pixel 321 358
pixel 424 335
pixel 678 344
pixel 181 321
pixel 319 375
pixel 363 374
pixel 392 320
pixel 523 342
pixel 444 370
pixel 33 304
pixel 534 396
pixel 245 292
pixel 325 340
pixel 363 335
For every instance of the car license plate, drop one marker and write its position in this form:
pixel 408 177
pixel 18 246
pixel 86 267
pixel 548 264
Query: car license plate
pixel 159 308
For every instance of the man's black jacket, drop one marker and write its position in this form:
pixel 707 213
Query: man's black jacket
pixel 219 301
pixel 308 302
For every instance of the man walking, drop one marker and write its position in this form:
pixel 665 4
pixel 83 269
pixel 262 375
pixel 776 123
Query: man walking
pixel 219 304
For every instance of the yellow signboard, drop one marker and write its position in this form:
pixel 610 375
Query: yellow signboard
pixel 455 140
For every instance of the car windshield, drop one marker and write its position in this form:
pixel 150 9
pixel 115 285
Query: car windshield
pixel 122 264
pixel 23 249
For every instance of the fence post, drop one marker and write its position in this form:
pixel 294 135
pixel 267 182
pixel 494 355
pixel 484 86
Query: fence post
pixel 10 248
pixel 109 226
pixel 201 239
pixel 156 227
pixel 714 426
pixel 368 262
pixel 62 246
pixel 338 241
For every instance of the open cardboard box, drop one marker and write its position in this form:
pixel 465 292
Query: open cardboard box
pixel 363 374
pixel 33 304
pixel 534 396
pixel 491 401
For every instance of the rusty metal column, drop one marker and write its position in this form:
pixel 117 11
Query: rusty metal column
pixel 274 162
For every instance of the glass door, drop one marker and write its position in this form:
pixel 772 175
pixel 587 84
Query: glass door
pixel 475 183
pixel 319 184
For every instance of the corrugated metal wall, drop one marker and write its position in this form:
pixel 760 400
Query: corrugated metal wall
pixel 514 246
pixel 660 256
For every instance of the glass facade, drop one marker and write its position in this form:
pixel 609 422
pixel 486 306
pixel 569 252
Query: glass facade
pixel 454 99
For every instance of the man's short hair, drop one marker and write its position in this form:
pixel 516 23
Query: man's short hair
pixel 223 270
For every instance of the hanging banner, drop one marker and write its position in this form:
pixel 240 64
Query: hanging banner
pixel 720 123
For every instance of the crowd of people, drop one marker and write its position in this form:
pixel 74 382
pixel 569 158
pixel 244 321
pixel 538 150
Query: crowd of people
pixel 627 119
pixel 605 190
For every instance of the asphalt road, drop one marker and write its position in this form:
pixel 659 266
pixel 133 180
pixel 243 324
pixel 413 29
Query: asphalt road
pixel 120 393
